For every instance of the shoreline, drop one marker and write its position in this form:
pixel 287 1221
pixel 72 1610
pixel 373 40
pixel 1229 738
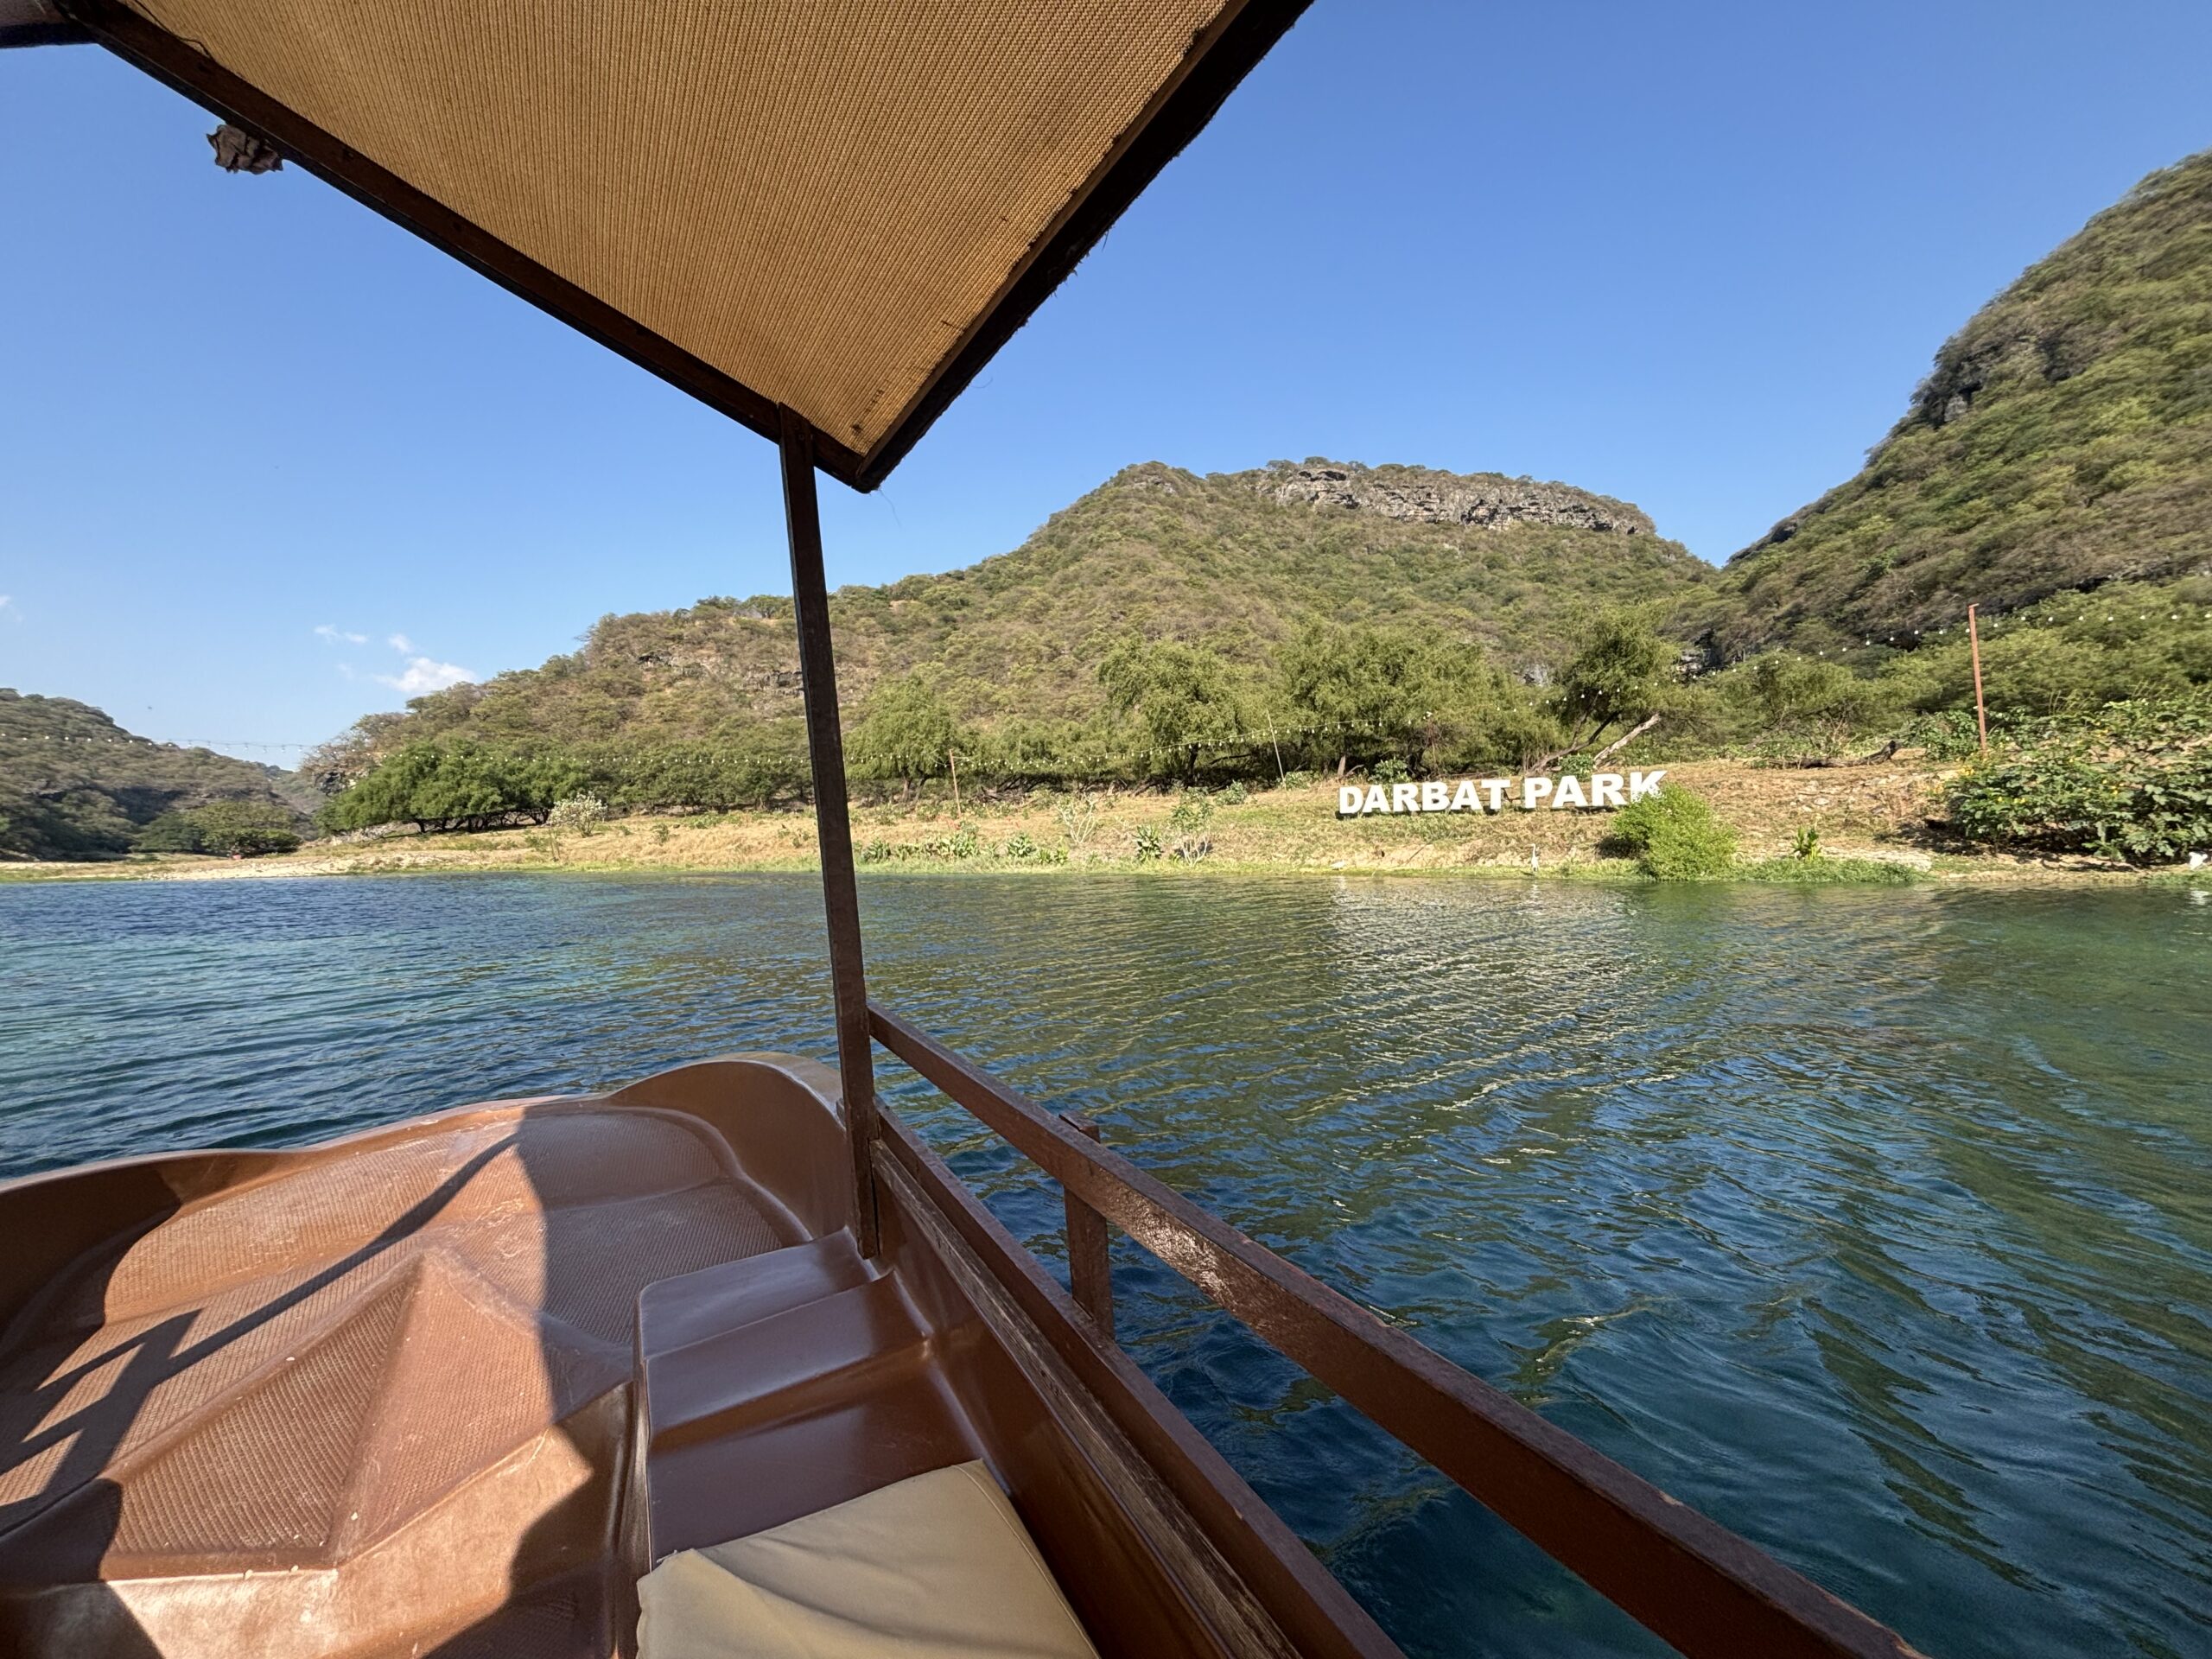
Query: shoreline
pixel 1870 822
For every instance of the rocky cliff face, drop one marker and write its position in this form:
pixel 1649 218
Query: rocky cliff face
pixel 1422 495
pixel 2062 440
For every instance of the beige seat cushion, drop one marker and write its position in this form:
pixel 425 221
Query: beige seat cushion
pixel 934 1568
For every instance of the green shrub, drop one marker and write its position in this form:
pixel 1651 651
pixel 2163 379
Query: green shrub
pixel 2146 812
pixel 227 829
pixel 1235 794
pixel 2133 781
pixel 572 812
pixel 1673 836
pixel 245 828
pixel 1948 734
pixel 1147 843
pixel 459 786
pixel 1190 814
pixel 1079 818
pixel 173 832
pixel 1806 843
pixel 1392 770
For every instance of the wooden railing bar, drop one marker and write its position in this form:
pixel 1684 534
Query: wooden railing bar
pixel 1684 1576
pixel 1256 1586
pixel 1091 1267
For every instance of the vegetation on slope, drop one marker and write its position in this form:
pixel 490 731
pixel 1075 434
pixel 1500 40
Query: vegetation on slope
pixel 74 784
pixel 1011 646
pixel 2132 781
pixel 2063 440
pixel 2055 468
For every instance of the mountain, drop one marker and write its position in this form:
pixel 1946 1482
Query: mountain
pixel 2054 466
pixel 1243 560
pixel 75 784
pixel 2063 441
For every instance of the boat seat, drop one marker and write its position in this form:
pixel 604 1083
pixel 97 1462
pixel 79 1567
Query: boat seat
pixel 935 1567
pixel 774 1388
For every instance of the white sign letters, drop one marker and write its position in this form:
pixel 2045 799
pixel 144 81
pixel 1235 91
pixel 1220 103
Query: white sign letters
pixel 1601 788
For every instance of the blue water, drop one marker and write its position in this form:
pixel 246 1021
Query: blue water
pixel 1877 1224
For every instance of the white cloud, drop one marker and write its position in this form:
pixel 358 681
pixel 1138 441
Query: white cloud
pixel 339 636
pixel 401 643
pixel 423 676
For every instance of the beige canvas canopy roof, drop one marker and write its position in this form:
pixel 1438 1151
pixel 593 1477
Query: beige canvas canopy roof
pixel 842 207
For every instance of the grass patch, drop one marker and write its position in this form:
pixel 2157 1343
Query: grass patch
pixel 1825 872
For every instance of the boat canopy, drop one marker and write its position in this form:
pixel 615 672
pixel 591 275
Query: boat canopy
pixel 839 208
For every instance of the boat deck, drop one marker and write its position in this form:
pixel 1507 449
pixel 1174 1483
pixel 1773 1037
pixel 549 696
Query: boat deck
pixel 388 1381
pixel 452 1387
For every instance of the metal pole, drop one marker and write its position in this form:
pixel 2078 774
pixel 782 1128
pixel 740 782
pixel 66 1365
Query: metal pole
pixel 1980 709
pixel 825 749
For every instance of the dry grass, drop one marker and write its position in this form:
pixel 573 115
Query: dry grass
pixel 1876 813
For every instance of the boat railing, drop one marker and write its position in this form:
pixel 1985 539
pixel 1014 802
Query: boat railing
pixel 1690 1580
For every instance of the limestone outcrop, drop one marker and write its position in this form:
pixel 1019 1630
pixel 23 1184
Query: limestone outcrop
pixel 1421 494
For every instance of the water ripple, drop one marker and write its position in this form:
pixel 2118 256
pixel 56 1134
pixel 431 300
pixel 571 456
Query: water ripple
pixel 1878 1225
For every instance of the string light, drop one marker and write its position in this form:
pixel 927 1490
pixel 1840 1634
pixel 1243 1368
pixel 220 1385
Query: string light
pixel 179 747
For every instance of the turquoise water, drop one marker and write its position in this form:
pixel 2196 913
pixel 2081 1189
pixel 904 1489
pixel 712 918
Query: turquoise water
pixel 1878 1224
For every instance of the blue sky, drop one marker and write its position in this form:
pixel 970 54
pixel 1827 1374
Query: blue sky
pixel 266 462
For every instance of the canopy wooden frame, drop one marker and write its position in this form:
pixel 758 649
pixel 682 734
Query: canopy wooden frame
pixel 1239 37
pixel 1690 1580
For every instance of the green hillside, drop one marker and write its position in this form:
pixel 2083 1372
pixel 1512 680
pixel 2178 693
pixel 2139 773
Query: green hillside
pixel 75 784
pixel 2063 441
pixel 2055 467
pixel 1242 562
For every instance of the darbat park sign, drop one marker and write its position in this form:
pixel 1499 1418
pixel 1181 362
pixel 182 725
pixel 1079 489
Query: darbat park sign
pixel 1528 794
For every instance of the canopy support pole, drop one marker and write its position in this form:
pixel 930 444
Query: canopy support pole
pixel 825 748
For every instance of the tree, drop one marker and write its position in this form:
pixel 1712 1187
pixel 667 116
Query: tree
pixel 1377 692
pixel 459 786
pixel 906 731
pixel 1366 689
pixel 1818 703
pixel 173 832
pixel 748 767
pixel 1617 673
pixel 386 792
pixel 227 829
pixel 1183 696
pixel 245 828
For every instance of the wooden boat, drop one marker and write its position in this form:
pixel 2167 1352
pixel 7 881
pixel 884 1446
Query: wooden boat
pixel 726 1362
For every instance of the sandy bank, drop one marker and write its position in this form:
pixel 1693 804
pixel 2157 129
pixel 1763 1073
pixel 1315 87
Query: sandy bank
pixel 1864 817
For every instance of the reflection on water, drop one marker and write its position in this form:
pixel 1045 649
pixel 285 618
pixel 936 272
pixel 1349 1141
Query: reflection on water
pixel 1878 1225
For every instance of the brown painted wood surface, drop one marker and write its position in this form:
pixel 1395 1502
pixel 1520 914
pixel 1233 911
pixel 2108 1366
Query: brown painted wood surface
pixel 825 748
pixel 1301 1596
pixel 1091 1267
pixel 1685 1577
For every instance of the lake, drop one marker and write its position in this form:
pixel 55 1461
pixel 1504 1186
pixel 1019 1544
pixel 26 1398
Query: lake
pixel 1878 1223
